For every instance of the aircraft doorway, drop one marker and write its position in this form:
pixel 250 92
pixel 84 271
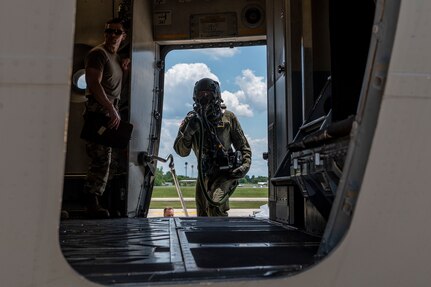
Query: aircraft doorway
pixel 129 250
pixel 241 72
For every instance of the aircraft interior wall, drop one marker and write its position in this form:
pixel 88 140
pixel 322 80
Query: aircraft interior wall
pixel 325 70
pixel 178 22
pixel 314 86
pixel 129 192
pixel 299 92
pixel 380 152
pixel 88 33
pixel 315 179
pixel 348 70
pixel 124 194
pixel 145 107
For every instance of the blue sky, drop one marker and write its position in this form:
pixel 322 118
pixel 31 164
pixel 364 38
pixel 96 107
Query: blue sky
pixel 241 73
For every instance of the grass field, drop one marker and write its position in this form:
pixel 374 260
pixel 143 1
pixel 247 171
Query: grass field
pixel 192 204
pixel 189 191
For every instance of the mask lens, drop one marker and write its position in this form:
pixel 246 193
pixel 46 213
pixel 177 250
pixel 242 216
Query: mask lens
pixel 204 97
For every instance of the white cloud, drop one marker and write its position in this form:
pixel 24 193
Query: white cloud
pixel 218 53
pixel 187 72
pixel 247 101
pixel 179 83
pixel 232 101
pixel 180 80
pixel 258 147
pixel 254 88
pixel 168 134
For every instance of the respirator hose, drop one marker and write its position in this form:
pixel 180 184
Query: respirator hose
pixel 200 173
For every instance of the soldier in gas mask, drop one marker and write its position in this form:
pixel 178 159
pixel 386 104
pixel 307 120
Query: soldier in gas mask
pixel 211 131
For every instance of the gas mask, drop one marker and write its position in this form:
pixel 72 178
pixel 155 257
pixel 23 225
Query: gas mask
pixel 207 97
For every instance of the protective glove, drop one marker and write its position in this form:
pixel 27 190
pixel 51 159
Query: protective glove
pixel 240 171
pixel 193 125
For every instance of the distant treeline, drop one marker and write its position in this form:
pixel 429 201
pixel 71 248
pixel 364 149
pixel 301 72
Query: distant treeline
pixel 166 177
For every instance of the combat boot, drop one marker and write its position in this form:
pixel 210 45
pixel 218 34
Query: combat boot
pixel 94 209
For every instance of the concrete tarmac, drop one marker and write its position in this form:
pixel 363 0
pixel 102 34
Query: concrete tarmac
pixel 192 212
pixel 243 212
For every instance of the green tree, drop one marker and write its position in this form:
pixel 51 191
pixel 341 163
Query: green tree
pixel 261 179
pixel 158 180
pixel 167 177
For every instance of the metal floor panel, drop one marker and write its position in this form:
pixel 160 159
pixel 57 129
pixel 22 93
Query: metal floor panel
pixel 127 251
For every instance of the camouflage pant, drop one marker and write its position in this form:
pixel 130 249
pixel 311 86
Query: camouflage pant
pixel 98 169
pixel 216 187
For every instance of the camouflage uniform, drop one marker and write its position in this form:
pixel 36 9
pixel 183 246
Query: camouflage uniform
pixel 102 165
pixel 216 182
pixel 100 156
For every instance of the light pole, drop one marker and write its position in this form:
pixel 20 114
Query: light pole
pixel 192 171
pixel 186 167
